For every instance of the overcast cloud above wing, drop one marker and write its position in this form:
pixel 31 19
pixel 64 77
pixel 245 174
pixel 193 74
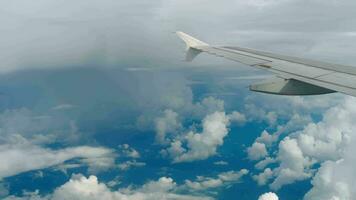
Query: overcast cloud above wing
pixel 52 34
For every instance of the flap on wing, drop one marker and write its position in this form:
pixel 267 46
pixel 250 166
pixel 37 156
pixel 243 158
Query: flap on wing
pixel 288 87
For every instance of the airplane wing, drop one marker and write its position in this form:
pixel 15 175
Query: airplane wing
pixel 294 76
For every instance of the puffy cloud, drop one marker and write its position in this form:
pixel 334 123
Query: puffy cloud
pixel 263 177
pixel 292 164
pixel 267 138
pixel 268 196
pixel 237 117
pixel 295 110
pixel 296 122
pixel 232 176
pixel 129 154
pixel 257 151
pixel 191 145
pixel 208 106
pixel 201 145
pixel 325 141
pixel 168 123
pixel 129 164
pixel 330 183
pixel 263 163
pixel 255 113
pixel 335 178
pixel 80 187
pixel 127 151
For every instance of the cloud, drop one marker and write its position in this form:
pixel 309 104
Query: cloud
pixel 255 113
pixel 331 183
pixel 295 123
pixel 38 127
pixel 257 151
pixel 80 187
pixel 264 177
pixel 22 157
pixel 207 183
pixel 268 196
pixel 221 163
pixel 127 151
pixel 335 178
pixel 102 33
pixel 237 117
pixel 208 106
pixel 102 38
pixel 130 164
pixel 293 111
pixel 263 163
pixel 325 141
pixel 168 123
pixel 201 145
pixel 292 164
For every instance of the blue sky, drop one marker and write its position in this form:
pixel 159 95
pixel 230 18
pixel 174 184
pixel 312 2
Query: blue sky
pixel 96 102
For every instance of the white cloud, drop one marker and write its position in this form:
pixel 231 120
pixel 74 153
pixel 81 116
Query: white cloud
pixel 232 176
pixel 127 151
pixel 207 183
pixel 334 181
pixel 82 188
pixel 168 123
pixel 221 163
pixel 21 157
pixel 201 145
pixel 237 117
pixel 208 106
pixel 263 163
pixel 268 196
pixel 257 151
pixel 264 177
pixel 267 138
pixel 292 164
pixel 335 178
pixel 296 122
pixel 130 164
pixel 326 140
pixel 308 142
pixel 255 113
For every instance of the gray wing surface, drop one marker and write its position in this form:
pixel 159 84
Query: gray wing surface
pixel 294 76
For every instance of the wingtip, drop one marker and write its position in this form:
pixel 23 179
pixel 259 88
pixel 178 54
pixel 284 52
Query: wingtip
pixel 190 40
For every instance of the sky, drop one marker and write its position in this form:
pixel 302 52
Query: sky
pixel 96 102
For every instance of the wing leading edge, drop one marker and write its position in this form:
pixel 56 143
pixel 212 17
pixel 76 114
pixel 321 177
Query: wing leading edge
pixel 295 76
